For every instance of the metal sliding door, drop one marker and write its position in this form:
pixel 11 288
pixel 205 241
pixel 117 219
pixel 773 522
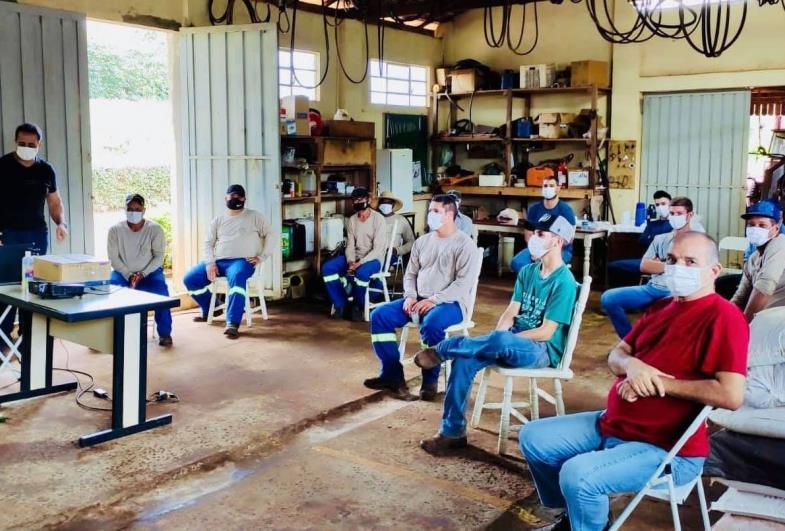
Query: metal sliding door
pixel 230 133
pixel 695 145
pixel 43 79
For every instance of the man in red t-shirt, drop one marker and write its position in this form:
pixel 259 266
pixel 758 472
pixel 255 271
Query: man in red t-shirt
pixel 686 352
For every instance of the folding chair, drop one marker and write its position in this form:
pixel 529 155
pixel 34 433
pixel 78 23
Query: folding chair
pixel 460 328
pixel 663 476
pixel 381 276
pixel 13 346
pixel 254 287
pixel 733 243
pixel 557 374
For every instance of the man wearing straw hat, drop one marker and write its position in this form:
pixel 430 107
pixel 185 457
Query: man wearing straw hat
pixel 388 205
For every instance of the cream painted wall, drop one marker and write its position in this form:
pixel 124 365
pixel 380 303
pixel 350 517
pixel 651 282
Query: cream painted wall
pixel 161 13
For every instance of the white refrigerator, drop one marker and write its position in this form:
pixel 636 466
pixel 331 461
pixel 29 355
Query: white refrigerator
pixel 395 173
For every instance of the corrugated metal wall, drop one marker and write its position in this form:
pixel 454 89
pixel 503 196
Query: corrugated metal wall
pixel 695 144
pixel 230 113
pixel 43 79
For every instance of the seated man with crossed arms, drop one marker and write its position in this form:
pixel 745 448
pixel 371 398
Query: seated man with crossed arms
pixel 685 352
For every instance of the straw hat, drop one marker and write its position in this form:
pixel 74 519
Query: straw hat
pixel 397 203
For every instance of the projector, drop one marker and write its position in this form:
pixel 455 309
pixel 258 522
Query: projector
pixel 52 290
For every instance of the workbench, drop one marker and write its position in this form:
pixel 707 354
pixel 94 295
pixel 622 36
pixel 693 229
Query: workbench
pixel 112 321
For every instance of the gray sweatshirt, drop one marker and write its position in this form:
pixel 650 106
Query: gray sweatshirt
pixel 132 252
pixel 242 236
pixel 404 237
pixel 442 269
pixel 366 240
pixel 764 272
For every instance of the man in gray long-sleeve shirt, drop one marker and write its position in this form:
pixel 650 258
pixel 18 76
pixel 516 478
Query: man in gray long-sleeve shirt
pixel 443 268
pixel 366 245
pixel 237 242
pixel 136 249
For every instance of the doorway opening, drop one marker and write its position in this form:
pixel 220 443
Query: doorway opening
pixel 766 160
pixel 131 125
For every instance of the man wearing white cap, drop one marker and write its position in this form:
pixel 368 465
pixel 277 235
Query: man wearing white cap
pixel 532 332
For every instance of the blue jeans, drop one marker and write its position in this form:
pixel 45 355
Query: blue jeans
pixel 155 283
pixel 387 318
pixel 524 258
pixel 334 272
pixel 237 271
pixel 616 302
pixel 39 238
pixel 628 265
pixel 469 355
pixel 575 467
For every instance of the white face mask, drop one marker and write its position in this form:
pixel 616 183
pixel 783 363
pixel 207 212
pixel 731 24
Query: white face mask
pixel 26 153
pixel 435 220
pixel 682 281
pixel 134 217
pixel 758 236
pixel 548 192
pixel 386 209
pixel 663 211
pixel 537 247
pixel 678 222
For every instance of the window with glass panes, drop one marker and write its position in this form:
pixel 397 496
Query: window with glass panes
pixel 306 71
pixel 398 84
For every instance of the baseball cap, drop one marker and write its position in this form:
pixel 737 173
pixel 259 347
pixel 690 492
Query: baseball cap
pixel 765 209
pixel 235 189
pixel 557 225
pixel 131 198
pixel 360 192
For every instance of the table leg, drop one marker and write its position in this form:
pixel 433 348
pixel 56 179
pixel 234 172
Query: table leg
pixel 500 255
pixel 37 352
pixel 129 382
pixel 587 242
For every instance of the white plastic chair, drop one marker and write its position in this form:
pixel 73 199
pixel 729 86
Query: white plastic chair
pixel 254 287
pixel 13 346
pixel 733 243
pixel 381 276
pixel 460 328
pixel 557 374
pixel 663 476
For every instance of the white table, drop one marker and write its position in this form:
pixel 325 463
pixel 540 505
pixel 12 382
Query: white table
pixel 115 323
pixel 587 235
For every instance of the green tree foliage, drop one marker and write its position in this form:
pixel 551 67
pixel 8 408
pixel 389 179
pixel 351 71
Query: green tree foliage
pixel 127 75
pixel 111 185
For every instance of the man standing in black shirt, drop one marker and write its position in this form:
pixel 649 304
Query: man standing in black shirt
pixel 27 183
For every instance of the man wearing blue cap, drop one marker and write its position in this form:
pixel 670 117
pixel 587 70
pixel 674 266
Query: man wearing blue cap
pixel 763 281
pixel 237 242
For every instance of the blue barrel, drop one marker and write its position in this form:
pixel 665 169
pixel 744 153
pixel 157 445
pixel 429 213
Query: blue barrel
pixel 640 214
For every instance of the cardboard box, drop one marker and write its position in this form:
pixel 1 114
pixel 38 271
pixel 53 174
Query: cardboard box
pixel 465 80
pixel 586 73
pixel 349 128
pixel 553 125
pixel 297 108
pixel 578 178
pixel 71 268
pixel 538 76
pixel 491 180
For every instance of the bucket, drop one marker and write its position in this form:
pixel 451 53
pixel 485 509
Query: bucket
pixel 508 250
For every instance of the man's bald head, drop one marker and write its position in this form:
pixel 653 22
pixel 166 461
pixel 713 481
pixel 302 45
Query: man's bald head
pixel 698 247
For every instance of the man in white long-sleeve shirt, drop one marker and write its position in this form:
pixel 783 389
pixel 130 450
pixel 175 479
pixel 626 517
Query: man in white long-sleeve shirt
pixel 366 244
pixel 442 269
pixel 238 241
pixel 136 249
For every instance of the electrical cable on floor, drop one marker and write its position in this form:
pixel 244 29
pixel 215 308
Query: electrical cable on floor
pixel 81 391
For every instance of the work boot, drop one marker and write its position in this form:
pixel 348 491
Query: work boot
pixel 381 384
pixel 427 358
pixel 440 445
pixel 165 341
pixel 562 523
pixel 231 332
pixel 358 315
pixel 428 392
pixel 200 319
pixel 402 393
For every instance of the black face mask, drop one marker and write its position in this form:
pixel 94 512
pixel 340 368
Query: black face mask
pixel 235 204
pixel 359 207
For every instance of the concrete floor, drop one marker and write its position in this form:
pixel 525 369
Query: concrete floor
pixel 276 431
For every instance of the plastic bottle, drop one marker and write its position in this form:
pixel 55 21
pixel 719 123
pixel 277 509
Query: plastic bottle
pixel 640 214
pixel 585 222
pixel 27 274
pixel 562 175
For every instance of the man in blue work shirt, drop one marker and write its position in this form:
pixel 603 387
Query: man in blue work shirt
pixel 551 204
pixel 630 268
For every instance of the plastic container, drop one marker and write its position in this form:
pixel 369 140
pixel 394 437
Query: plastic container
pixel 27 274
pixel 640 214
pixel 585 222
pixel 508 251
pixel 525 126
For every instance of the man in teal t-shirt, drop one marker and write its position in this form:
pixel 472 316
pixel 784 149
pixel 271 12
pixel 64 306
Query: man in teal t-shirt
pixel 531 333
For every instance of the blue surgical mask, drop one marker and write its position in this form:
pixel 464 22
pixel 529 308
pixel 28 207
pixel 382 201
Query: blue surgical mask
pixel 435 220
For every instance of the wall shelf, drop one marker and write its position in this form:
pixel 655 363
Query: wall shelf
pixel 513 191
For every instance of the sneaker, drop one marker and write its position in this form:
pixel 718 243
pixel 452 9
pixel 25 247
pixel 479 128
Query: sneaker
pixel 165 341
pixel 428 392
pixel 440 445
pixel 427 359
pixel 231 332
